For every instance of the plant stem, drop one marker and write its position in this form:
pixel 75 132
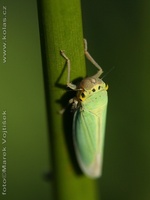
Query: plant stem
pixel 62 29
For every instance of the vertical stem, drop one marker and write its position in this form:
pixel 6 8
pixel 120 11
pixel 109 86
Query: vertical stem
pixel 62 29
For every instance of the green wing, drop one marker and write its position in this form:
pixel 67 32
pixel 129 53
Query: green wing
pixel 89 129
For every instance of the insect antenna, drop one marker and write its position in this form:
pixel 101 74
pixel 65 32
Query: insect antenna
pixel 108 72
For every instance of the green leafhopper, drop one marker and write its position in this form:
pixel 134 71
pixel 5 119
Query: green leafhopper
pixel 90 106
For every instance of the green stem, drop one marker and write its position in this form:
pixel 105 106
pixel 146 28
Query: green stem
pixel 62 26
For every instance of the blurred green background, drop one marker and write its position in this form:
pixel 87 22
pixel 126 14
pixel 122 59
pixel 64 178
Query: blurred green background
pixel 23 98
pixel 118 38
pixel 118 34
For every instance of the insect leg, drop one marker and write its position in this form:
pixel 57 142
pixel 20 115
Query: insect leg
pixel 69 84
pixel 89 57
pixel 72 101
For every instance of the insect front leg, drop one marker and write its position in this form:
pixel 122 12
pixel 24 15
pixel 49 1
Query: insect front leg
pixel 89 57
pixel 69 84
pixel 74 106
pixel 74 103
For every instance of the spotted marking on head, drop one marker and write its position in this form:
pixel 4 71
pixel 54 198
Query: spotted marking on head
pixel 83 94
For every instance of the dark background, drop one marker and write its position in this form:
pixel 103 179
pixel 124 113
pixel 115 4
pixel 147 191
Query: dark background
pixel 118 34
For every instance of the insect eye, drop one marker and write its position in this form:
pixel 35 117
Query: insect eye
pixel 82 95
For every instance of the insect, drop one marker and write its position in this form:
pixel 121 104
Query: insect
pixel 89 106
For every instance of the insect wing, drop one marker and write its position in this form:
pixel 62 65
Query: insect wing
pixel 89 129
